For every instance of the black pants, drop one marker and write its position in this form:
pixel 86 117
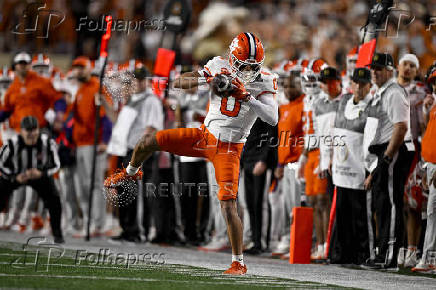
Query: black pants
pixel 46 190
pixel 387 195
pixel 194 200
pixel 163 209
pixel 330 187
pixel 352 244
pixel 254 190
pixel 404 164
pixel 129 213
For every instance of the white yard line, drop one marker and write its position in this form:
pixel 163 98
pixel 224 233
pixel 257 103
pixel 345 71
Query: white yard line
pixel 260 266
pixel 282 284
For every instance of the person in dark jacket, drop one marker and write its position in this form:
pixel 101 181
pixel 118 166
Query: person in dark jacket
pixel 257 157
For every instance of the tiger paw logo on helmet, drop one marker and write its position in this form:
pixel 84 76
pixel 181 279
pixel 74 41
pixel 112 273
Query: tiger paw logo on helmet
pixel 234 45
pixel 246 56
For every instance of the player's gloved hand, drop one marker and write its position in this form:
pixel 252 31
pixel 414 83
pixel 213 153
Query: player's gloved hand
pixel 239 91
pixel 221 84
pixel 120 177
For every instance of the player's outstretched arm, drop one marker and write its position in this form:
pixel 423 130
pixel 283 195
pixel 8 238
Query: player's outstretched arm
pixel 266 108
pixel 188 80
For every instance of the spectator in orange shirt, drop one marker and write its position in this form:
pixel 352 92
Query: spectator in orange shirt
pixel 29 94
pixel 84 109
pixel 290 146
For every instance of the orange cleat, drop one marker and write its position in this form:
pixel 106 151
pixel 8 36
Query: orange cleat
pixel 119 177
pixel 23 228
pixel 236 269
pixel 37 223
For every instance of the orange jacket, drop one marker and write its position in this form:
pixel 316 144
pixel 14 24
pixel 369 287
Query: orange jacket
pixel 33 97
pixel 428 150
pixel 290 131
pixel 83 110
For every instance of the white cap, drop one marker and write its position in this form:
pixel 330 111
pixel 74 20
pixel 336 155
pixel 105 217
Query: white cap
pixel 22 56
pixel 410 57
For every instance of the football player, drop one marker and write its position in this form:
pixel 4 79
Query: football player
pixel 42 65
pixel 347 75
pixel 290 134
pixel 308 163
pixel 242 92
pixel 408 67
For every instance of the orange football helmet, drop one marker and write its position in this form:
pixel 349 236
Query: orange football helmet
pixel 246 50
pixel 351 60
pixel 41 64
pixel 287 66
pixel 40 59
pixel 310 76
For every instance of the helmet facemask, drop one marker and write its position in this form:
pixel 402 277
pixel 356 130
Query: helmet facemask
pixel 42 70
pixel 239 69
pixel 351 64
pixel 310 84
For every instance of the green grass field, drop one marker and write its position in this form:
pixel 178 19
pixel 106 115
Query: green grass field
pixel 32 269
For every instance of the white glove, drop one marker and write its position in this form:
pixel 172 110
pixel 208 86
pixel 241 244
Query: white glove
pixel 299 172
pixel 50 116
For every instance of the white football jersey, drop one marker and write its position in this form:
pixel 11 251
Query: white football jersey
pixel 309 122
pixel 227 119
pixel 346 85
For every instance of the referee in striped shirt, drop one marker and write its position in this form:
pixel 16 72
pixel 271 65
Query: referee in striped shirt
pixel 31 159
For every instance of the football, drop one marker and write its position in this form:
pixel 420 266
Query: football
pixel 222 85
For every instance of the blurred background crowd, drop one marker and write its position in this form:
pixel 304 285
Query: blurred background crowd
pixel 289 30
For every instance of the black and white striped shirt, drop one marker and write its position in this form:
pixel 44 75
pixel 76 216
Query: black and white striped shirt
pixel 16 157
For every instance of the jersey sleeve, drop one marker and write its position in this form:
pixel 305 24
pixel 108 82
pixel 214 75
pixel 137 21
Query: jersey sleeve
pixel 398 106
pixel 212 67
pixel 269 84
